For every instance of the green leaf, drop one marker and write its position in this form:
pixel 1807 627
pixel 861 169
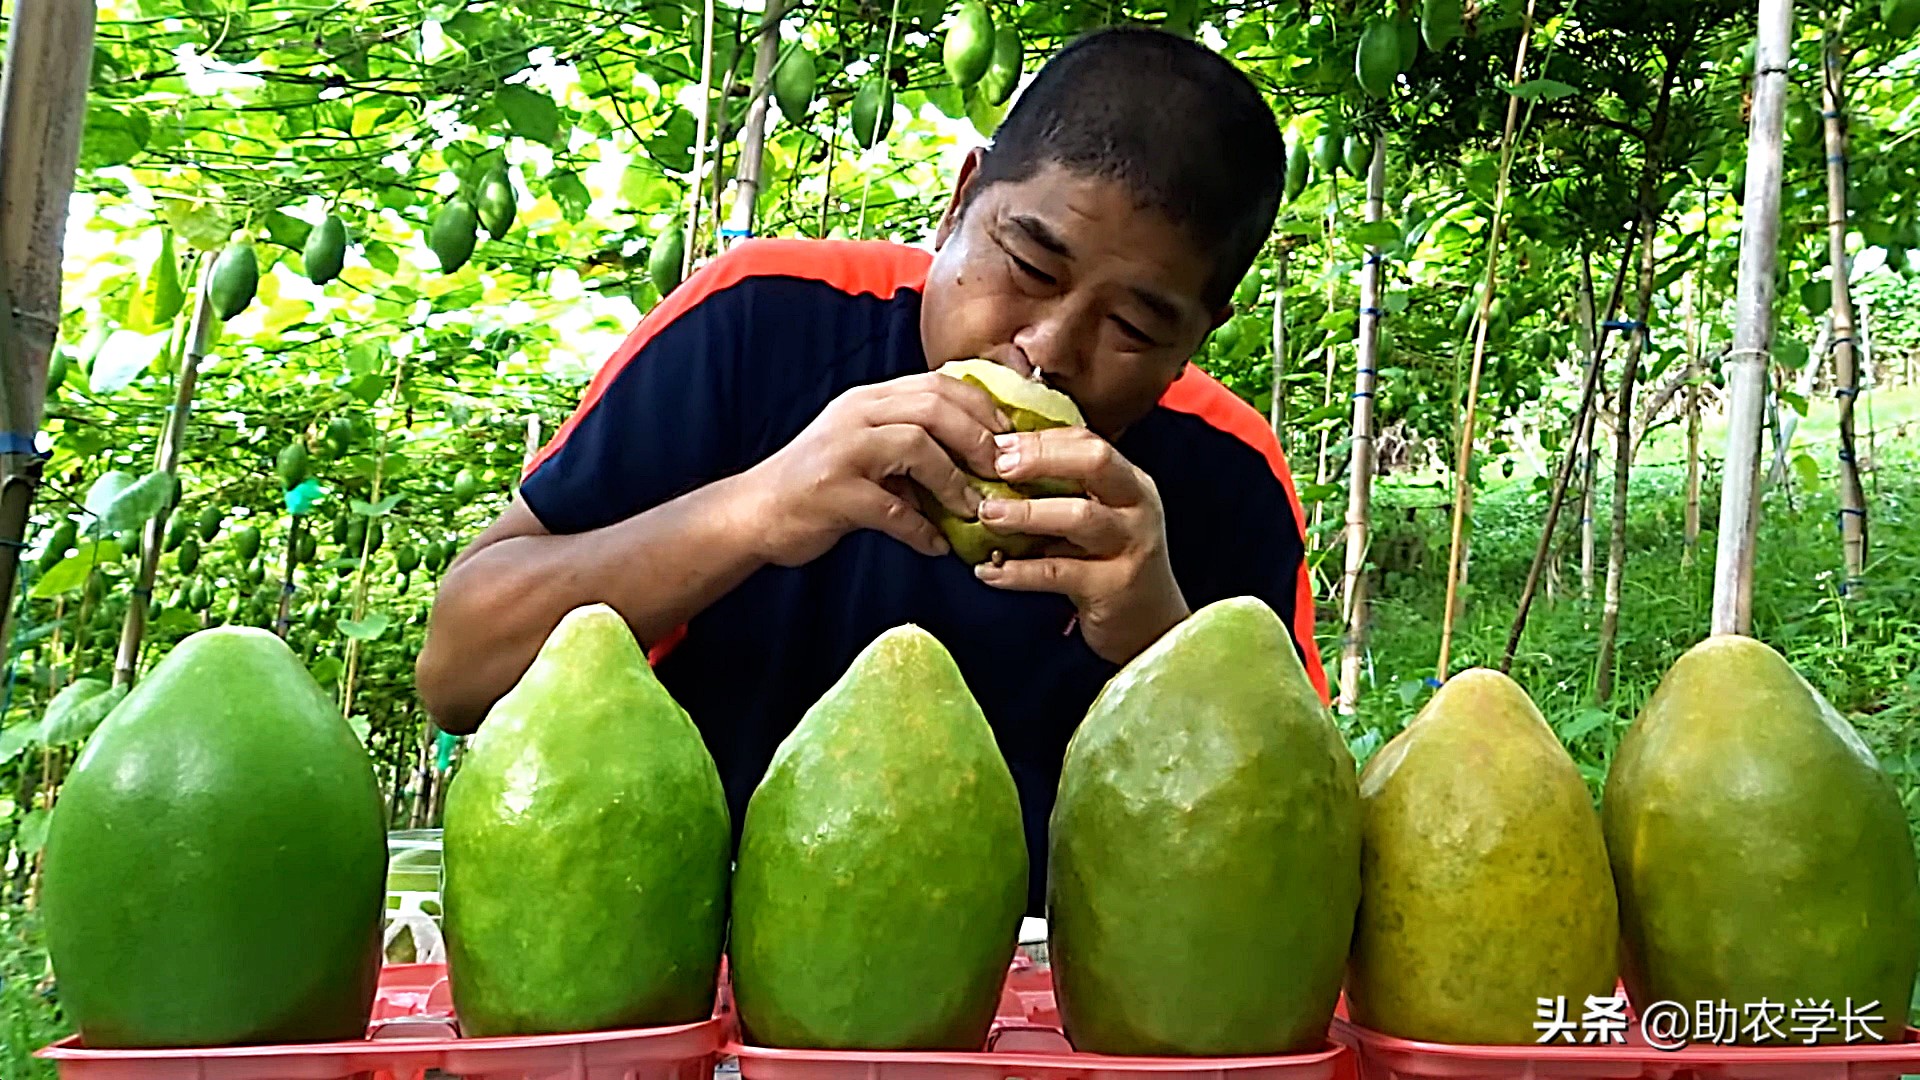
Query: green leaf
pixel 672 147
pixel 18 738
pixel 33 832
pixel 1806 470
pixel 367 629
pixel 530 114
pixel 71 572
pixel 124 357
pixel 75 711
pixel 137 504
pixel 1581 723
pixel 381 257
pixel 109 487
pixel 287 230
pixel 1376 233
pixel 112 137
pixel 326 669
pixel 379 509
pixel 1540 90
pixel 570 193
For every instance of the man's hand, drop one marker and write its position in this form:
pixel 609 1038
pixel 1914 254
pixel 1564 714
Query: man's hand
pixel 853 467
pixel 1113 564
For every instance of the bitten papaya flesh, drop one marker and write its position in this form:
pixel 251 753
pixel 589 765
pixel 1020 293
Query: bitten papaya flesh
pixel 1205 849
pixel 883 865
pixel 1484 878
pixel 1032 406
pixel 1758 848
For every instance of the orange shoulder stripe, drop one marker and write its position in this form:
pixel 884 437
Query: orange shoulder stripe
pixel 872 267
pixel 1199 394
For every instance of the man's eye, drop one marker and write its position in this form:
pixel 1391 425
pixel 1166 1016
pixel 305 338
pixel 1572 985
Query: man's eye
pixel 1030 270
pixel 1132 331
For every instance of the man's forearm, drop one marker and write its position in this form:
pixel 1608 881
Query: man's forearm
pixel 658 569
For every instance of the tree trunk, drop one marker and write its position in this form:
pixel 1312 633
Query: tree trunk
pixel 1746 366
pixel 1690 532
pixel 127 661
pixel 1360 461
pixel 1650 208
pixel 1846 356
pixel 1590 465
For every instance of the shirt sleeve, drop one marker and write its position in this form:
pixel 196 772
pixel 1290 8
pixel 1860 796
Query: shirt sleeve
pixel 663 416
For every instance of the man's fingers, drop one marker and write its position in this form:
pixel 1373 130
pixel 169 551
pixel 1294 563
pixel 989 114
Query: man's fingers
pixel 906 449
pixel 1072 453
pixel 960 416
pixel 1094 528
pixel 1053 575
pixel 881 509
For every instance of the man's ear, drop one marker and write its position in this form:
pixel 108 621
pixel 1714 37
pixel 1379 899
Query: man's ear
pixel 950 218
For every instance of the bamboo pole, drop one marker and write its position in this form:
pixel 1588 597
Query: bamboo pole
pixel 1495 233
pixel 43 96
pixel 1846 355
pixel 1696 368
pixel 1277 409
pixel 200 330
pixel 747 182
pixel 1360 460
pixel 1746 365
pixel 699 140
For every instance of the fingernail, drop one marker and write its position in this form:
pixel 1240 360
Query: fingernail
pixel 1009 453
pixel 985 571
pixel 992 509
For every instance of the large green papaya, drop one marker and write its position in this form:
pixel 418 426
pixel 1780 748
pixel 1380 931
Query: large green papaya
pixel 1328 146
pixel 1758 848
pixel 453 233
pixel 1205 849
pixel 1478 793
pixel 1440 22
pixel 585 848
pixel 1003 74
pixel 664 260
pixel 1297 170
pixel 497 203
pixel 216 865
pixel 883 865
pixel 1376 60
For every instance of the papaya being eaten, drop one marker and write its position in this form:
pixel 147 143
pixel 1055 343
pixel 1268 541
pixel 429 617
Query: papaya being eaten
pixel 1032 406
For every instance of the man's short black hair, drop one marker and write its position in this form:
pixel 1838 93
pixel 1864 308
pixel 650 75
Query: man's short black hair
pixel 1178 124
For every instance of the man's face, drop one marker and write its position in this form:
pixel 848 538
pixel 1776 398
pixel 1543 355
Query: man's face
pixel 1064 273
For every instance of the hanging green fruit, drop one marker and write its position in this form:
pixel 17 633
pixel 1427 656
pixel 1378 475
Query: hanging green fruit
pixel 497 203
pixel 1297 171
pixel 453 233
pixel 246 541
pixel 306 549
pixel 375 531
pixel 340 526
pixel 292 464
pixel 466 486
pixel 326 250
pixel 356 536
pixel 872 110
pixel 56 371
pixel 65 535
pixel 176 533
pixel 255 573
pixel 664 261
pixel 1003 74
pixel 794 83
pixel 209 523
pixel 189 556
pixel 406 557
pixel 234 280
pixel 1407 33
pixel 198 597
pixel 1327 148
pixel 1439 22
pixel 1359 153
pixel 1376 60
pixel 339 436
pixel 968 49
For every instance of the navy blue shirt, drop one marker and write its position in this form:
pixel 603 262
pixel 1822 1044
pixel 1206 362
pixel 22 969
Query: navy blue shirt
pixel 743 355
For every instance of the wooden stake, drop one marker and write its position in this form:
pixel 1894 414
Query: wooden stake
pixel 1746 365
pixel 699 139
pixel 1277 409
pixel 746 196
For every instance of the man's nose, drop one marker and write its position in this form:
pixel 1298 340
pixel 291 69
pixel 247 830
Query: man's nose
pixel 1054 341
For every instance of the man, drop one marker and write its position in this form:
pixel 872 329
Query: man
pixel 738 479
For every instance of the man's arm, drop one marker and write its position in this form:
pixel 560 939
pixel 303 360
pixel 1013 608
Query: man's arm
pixel 849 469
pixel 506 593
